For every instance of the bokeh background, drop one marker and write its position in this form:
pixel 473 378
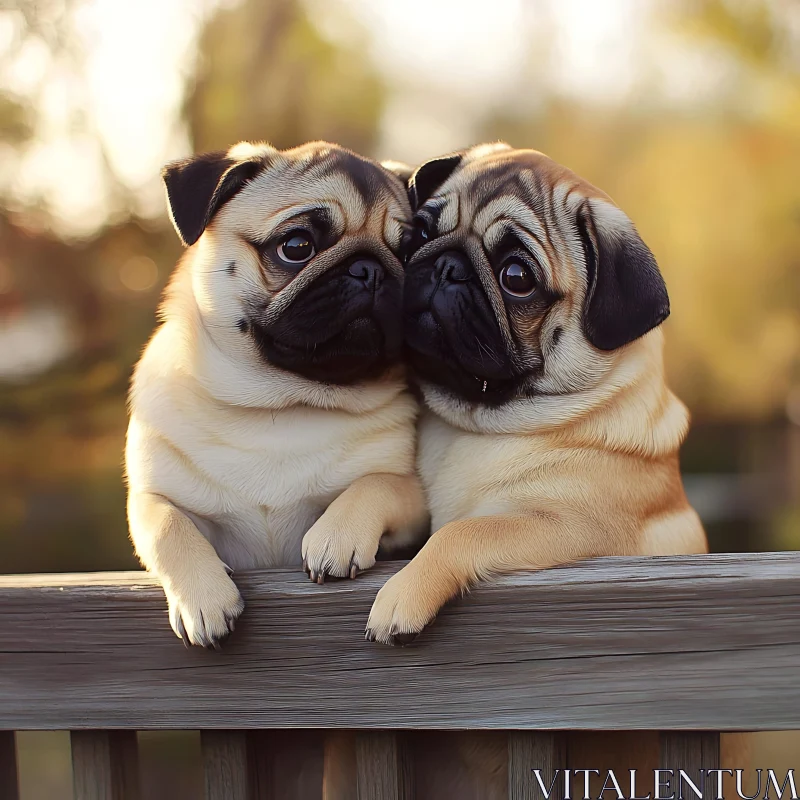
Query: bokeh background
pixel 687 112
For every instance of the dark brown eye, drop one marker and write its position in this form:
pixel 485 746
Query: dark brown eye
pixel 421 233
pixel 297 248
pixel 517 279
pixel 419 236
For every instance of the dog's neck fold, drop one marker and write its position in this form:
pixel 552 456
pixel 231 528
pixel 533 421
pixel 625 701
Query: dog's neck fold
pixel 631 410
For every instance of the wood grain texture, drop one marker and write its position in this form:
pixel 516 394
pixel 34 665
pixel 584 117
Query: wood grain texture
pixel 225 765
pixel 105 765
pixel 340 771
pixel 528 750
pixel 382 766
pixel 690 751
pixel 288 765
pixel 9 781
pixel 125 763
pixel 674 643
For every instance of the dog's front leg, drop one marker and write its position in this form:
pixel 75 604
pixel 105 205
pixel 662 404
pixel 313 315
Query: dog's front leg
pixel 345 539
pixel 203 601
pixel 465 551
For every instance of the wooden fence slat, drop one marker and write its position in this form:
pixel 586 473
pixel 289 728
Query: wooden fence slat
pixel 528 751
pixel 125 763
pixel 468 765
pixel 225 765
pixel 105 765
pixel 383 768
pixel 286 765
pixel 691 751
pixel 607 644
pixel 9 786
pixel 340 773
pixel 261 764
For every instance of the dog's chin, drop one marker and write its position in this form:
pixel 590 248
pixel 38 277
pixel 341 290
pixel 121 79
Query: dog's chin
pixel 445 374
pixel 432 361
pixel 358 352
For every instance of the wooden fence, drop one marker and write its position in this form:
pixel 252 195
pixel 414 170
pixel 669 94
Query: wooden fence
pixel 688 646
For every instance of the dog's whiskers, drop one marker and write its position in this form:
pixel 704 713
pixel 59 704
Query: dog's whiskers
pixel 482 348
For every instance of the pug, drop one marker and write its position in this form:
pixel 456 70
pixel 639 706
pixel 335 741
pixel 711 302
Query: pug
pixel 531 311
pixel 270 423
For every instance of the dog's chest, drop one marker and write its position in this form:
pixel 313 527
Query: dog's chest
pixel 261 479
pixel 272 469
pixel 470 474
pixel 261 459
pixel 272 482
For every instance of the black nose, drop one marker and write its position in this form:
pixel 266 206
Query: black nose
pixel 452 267
pixel 369 271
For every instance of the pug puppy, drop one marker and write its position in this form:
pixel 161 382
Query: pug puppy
pixel 270 422
pixel 532 311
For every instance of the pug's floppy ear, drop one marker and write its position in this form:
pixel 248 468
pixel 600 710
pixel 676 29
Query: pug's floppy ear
pixel 626 295
pixel 430 176
pixel 198 187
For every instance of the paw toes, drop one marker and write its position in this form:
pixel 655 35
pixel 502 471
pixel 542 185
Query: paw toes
pixel 322 569
pixel 332 552
pixel 392 637
pixel 207 626
pixel 400 611
pixel 182 632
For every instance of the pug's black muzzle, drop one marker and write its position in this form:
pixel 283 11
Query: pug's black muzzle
pixel 343 328
pixel 451 332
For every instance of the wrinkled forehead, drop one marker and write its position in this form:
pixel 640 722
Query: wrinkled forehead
pixel 524 193
pixel 510 185
pixel 356 196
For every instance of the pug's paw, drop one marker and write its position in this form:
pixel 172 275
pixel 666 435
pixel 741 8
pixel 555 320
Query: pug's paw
pixel 204 611
pixel 403 608
pixel 338 547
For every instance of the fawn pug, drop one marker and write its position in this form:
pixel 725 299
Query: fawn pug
pixel 269 417
pixel 531 312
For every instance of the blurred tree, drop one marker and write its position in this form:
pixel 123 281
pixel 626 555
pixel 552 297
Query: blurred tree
pixel 73 317
pixel 48 33
pixel 88 305
pixel 716 195
pixel 756 31
pixel 266 73
pixel 762 37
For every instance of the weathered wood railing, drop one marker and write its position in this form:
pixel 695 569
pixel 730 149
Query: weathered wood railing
pixel 679 645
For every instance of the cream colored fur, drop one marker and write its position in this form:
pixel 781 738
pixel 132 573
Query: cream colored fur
pixel 585 465
pixel 232 462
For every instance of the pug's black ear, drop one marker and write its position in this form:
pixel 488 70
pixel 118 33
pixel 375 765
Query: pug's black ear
pixel 430 176
pixel 198 187
pixel 626 295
